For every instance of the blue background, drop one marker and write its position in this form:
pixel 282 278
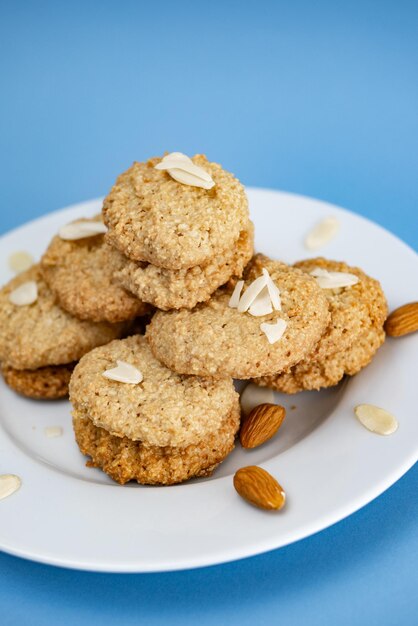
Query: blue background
pixel 319 98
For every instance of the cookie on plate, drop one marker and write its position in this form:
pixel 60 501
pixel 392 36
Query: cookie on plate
pixel 154 218
pixel 215 339
pixel 40 334
pixel 176 289
pixel 45 383
pixel 163 430
pixel 80 273
pixel 355 332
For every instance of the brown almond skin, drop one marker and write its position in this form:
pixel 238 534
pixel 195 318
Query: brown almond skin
pixel 259 488
pixel 261 424
pixel 403 320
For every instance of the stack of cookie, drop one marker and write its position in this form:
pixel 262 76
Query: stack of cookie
pixel 141 421
pixel 183 227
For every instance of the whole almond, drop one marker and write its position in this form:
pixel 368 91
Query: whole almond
pixel 259 488
pixel 261 424
pixel 403 320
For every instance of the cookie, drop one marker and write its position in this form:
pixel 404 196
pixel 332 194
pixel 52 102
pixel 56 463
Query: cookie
pixel 41 334
pixel 123 459
pixel 153 218
pixel 165 409
pixel 214 339
pixel 176 289
pixel 44 383
pixel 80 274
pixel 351 339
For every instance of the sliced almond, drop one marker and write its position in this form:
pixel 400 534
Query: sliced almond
pixel 375 419
pixel 251 293
pixel 124 373
pixel 26 293
pixel 403 320
pixel 262 423
pixel 254 395
pixel 181 168
pixel 20 261
pixel 9 483
pixel 273 291
pixel 82 230
pixel 53 431
pixel 322 233
pixel 334 280
pixel 236 294
pixel 275 331
pixel 262 304
pixel 259 488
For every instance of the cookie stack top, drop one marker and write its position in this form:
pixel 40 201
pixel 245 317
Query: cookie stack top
pixel 183 227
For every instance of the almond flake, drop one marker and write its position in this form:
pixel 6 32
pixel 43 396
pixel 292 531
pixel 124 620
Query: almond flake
pixel 262 304
pixel 53 431
pixel 81 230
pixel 9 483
pixel 375 419
pixel 183 170
pixel 253 395
pixel 323 232
pixel 334 280
pixel 273 290
pixel 20 261
pixel 236 294
pixel 124 373
pixel 251 293
pixel 26 293
pixel 275 331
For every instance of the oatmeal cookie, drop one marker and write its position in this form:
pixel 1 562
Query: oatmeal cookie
pixel 80 274
pixel 351 339
pixel 41 334
pixel 177 289
pixel 216 340
pixel 45 383
pixel 123 459
pixel 165 409
pixel 153 218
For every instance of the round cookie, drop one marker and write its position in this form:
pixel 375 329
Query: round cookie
pixel 41 334
pixel 165 409
pixel 153 218
pixel 349 342
pixel 176 289
pixel 216 340
pixel 45 383
pixel 123 459
pixel 80 275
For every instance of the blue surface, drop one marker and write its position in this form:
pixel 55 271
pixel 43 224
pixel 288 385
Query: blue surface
pixel 316 98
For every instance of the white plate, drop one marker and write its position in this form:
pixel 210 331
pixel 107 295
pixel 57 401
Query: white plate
pixel 330 465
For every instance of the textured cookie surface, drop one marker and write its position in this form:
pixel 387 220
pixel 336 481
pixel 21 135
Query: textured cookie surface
pixel 216 340
pixel 176 289
pixel 153 218
pixel 351 339
pixel 45 383
pixel 165 409
pixel 42 333
pixel 123 459
pixel 80 274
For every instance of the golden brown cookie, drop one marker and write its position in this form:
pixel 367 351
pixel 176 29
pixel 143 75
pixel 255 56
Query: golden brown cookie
pixel 80 275
pixel 123 459
pixel 153 218
pixel 177 289
pixel 349 342
pixel 41 334
pixel 214 339
pixel 165 409
pixel 45 383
